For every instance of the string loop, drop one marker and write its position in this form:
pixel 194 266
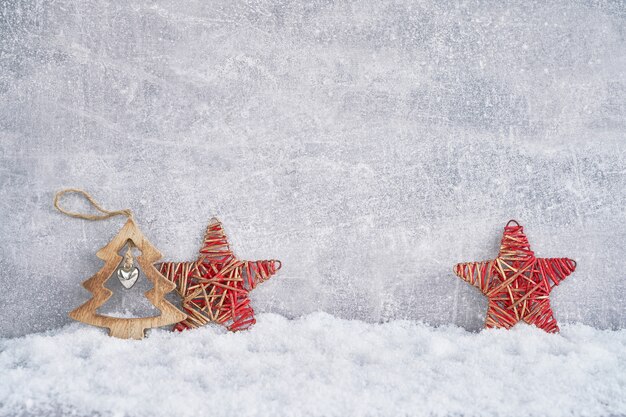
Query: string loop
pixel 105 213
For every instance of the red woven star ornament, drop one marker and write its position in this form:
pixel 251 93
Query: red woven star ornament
pixel 215 287
pixel 517 284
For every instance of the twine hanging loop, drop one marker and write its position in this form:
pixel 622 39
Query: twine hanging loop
pixel 105 213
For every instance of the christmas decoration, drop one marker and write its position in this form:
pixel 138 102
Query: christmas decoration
pixel 215 287
pixel 130 236
pixel 516 283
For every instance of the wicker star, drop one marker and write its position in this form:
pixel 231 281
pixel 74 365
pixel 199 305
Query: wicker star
pixel 517 284
pixel 215 287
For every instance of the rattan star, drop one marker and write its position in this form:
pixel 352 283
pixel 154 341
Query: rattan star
pixel 517 284
pixel 215 287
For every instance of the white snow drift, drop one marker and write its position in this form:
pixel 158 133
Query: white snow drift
pixel 317 366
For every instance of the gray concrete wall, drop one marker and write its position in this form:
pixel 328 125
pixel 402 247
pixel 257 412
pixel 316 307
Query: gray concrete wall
pixel 368 145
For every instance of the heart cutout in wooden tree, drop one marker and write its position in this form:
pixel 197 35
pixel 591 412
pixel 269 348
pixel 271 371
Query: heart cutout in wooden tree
pixel 128 273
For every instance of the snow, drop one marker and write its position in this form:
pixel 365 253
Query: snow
pixel 318 365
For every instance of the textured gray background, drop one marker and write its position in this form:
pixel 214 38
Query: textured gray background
pixel 368 145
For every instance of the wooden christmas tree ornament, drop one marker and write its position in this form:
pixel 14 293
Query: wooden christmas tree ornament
pixel 130 236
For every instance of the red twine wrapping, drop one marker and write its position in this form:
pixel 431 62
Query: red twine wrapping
pixel 215 287
pixel 517 284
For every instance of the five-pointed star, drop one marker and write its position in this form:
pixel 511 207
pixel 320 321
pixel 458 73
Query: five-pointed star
pixel 517 284
pixel 215 287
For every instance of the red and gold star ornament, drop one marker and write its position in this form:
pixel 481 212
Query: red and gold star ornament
pixel 517 284
pixel 215 287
